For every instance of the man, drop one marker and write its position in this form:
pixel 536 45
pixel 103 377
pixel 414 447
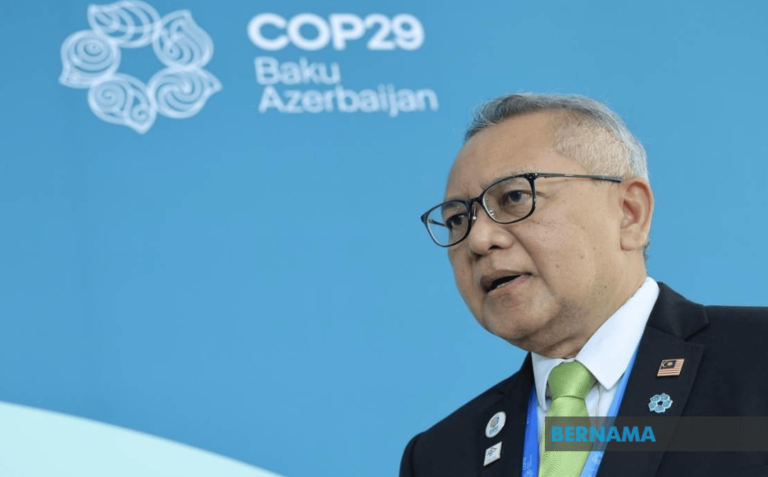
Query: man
pixel 546 218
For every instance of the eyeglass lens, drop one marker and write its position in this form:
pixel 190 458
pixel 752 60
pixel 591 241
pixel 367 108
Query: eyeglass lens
pixel 505 202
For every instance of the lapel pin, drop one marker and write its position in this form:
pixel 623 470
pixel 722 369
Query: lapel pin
pixel 492 454
pixel 670 367
pixel 496 424
pixel 660 403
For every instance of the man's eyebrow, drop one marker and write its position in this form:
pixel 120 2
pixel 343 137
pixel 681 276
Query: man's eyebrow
pixel 486 184
pixel 509 173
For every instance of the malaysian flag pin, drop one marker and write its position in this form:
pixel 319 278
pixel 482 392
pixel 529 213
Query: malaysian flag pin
pixel 670 367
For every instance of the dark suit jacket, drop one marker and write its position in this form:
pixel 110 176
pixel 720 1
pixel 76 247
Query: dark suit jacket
pixel 726 364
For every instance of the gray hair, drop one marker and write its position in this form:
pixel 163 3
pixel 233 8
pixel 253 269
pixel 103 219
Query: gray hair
pixel 589 132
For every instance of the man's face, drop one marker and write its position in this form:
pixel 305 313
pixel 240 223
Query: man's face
pixel 564 256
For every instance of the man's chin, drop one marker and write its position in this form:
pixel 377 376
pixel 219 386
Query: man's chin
pixel 519 332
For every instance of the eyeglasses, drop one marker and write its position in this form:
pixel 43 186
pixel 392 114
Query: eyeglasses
pixel 506 201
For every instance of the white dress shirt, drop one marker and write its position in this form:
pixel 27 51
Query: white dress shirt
pixel 606 355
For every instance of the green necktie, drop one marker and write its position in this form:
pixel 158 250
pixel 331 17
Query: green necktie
pixel 569 384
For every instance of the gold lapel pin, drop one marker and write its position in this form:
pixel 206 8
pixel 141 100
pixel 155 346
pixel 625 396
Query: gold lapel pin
pixel 670 367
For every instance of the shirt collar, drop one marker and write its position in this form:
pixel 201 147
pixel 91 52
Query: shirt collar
pixel 607 353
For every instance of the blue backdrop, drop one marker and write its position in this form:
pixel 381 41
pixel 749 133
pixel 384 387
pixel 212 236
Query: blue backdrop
pixel 247 273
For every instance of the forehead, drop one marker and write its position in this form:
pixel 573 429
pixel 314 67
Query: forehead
pixel 518 144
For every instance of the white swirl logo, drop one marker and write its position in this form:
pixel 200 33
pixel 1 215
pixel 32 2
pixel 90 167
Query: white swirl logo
pixel 90 59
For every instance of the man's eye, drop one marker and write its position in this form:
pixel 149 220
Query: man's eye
pixel 514 197
pixel 455 221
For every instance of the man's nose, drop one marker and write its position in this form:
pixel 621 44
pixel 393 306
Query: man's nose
pixel 485 234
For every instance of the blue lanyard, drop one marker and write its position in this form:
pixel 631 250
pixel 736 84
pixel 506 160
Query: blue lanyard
pixel 531 445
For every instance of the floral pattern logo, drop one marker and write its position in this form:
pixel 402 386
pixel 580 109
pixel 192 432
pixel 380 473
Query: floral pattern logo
pixel 660 403
pixel 90 60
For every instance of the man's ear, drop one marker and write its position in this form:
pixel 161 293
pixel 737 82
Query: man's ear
pixel 637 209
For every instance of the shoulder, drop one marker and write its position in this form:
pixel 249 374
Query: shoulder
pixel 741 329
pixel 449 447
pixel 739 315
pixel 468 414
pixel 714 326
pixel 688 320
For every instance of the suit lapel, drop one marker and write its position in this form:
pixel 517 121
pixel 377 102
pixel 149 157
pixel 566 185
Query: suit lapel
pixel 672 321
pixel 514 402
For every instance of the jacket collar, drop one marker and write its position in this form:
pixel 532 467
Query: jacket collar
pixel 675 315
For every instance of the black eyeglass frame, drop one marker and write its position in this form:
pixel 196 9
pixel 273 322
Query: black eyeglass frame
pixel 530 176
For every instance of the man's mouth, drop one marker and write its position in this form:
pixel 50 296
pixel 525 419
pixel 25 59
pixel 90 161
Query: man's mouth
pixel 500 282
pixel 494 283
